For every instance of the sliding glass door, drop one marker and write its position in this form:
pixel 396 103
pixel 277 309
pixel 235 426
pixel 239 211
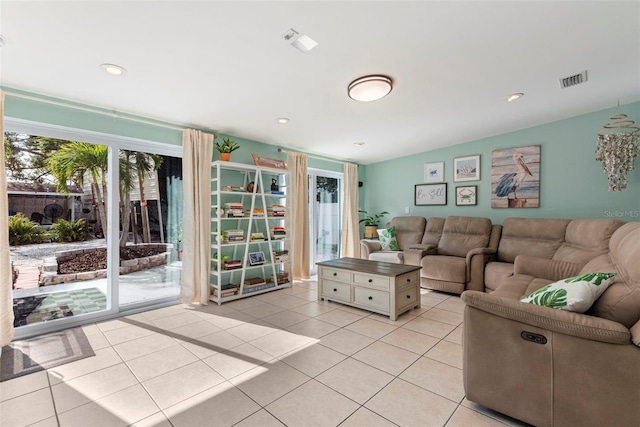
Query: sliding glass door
pixel 325 208
pixel 90 236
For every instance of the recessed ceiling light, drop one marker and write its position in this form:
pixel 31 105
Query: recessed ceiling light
pixel 358 144
pixel 283 120
pixel 369 88
pixel 113 70
pixel 514 96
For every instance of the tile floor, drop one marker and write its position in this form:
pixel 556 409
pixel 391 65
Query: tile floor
pixel 280 358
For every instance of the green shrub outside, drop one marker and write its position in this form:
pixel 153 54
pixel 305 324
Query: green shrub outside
pixel 69 231
pixel 23 231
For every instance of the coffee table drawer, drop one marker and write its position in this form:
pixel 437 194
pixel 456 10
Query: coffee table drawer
pixel 371 281
pixel 335 274
pixel 371 298
pixel 407 296
pixel 336 290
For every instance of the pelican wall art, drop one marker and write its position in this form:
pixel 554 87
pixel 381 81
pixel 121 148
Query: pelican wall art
pixel 515 177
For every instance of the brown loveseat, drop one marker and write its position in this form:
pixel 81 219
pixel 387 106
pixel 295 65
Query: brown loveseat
pixel 552 367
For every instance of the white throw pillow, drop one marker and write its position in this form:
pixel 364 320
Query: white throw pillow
pixel 388 240
pixel 573 294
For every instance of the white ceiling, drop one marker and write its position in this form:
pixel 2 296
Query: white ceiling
pixel 224 66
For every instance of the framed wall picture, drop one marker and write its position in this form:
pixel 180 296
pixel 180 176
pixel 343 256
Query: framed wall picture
pixel 430 194
pixel 466 168
pixel 466 196
pixel 434 172
pixel 266 162
pixel 256 258
pixel 515 177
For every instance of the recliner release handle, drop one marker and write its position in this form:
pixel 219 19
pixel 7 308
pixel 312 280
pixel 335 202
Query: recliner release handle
pixel 536 338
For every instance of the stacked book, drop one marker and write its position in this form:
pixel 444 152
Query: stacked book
pixel 257 237
pixel 233 210
pixel 230 236
pixel 276 210
pixel 226 290
pixel 253 283
pixel 233 188
pixel 280 278
pixel 256 288
pixel 231 264
pixel 256 213
pixel 281 256
pixel 278 232
pixel 281 193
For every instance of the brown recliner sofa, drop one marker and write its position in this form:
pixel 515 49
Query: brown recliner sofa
pixel 458 262
pixel 551 367
pixel 572 242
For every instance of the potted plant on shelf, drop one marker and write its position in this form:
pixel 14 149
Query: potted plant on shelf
pixel 226 148
pixel 371 223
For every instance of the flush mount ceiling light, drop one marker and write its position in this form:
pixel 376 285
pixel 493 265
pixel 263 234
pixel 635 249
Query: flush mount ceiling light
pixel 370 88
pixel 514 96
pixel 113 70
pixel 283 120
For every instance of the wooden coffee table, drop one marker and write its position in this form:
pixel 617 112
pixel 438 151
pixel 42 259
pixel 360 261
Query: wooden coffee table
pixel 381 287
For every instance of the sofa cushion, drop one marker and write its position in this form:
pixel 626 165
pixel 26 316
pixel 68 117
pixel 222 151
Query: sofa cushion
pixel 388 240
pixel 495 273
pixel 433 231
pixel 537 237
pixel 572 294
pixel 621 302
pixel 463 233
pixel 409 230
pixel 445 268
pixel 396 257
pixel 545 268
pixel 585 239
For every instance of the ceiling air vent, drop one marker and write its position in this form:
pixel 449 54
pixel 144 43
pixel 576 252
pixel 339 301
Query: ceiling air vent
pixel 573 80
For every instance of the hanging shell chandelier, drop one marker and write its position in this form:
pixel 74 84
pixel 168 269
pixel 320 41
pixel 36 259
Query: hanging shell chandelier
pixel 617 149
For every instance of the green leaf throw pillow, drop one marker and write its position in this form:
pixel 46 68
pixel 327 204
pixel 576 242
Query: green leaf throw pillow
pixel 573 294
pixel 388 240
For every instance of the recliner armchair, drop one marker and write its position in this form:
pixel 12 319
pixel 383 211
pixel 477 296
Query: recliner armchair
pixel 457 264
pixel 409 231
pixel 551 367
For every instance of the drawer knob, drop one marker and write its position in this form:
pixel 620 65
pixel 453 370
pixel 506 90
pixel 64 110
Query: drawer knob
pixel 335 274
pixel 409 296
pixel 370 280
pixel 370 297
pixel 408 280
pixel 335 290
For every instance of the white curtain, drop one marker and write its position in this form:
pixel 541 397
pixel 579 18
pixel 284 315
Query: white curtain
pixel 6 300
pixel 350 228
pixel 297 199
pixel 196 227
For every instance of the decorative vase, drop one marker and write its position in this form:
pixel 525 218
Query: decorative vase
pixel 225 157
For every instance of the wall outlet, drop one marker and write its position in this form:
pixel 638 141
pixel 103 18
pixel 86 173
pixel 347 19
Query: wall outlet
pixel 406 209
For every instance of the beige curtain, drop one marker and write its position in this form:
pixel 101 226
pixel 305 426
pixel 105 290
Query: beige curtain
pixel 350 239
pixel 6 300
pixel 196 226
pixel 297 199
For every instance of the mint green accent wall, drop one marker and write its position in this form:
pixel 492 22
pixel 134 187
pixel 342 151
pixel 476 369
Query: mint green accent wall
pixel 572 183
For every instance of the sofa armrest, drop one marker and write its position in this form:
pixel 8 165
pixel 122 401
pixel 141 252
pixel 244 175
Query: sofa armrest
pixel 476 260
pixel 545 268
pixel 367 246
pixel 561 321
pixel 415 252
pixel 635 334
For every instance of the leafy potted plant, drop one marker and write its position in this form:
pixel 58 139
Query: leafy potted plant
pixel 371 223
pixel 226 148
